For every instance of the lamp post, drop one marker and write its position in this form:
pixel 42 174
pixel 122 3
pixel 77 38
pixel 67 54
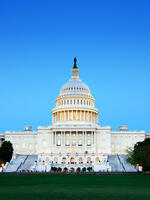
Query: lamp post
pixel 2 166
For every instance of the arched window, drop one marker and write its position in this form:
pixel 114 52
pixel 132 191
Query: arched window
pixel 97 160
pixel 55 160
pixel 80 160
pixel 72 160
pixel 64 160
pixel 88 160
pixel 47 160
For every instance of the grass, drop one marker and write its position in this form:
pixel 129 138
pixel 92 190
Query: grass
pixel 74 187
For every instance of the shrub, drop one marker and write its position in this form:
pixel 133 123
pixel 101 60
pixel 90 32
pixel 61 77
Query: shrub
pixel 59 169
pixel 78 169
pixel 89 169
pixel 84 169
pixel 65 169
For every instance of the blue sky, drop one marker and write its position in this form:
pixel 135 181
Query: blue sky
pixel 38 41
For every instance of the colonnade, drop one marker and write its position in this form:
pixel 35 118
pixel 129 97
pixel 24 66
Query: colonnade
pixel 74 138
pixel 76 115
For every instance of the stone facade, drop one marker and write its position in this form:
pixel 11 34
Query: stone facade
pixel 75 139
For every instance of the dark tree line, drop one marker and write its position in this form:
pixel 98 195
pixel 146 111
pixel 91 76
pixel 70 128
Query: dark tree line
pixel 140 155
pixel 6 151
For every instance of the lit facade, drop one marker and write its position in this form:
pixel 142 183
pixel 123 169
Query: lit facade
pixel 75 139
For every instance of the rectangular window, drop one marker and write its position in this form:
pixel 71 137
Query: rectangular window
pixel 73 142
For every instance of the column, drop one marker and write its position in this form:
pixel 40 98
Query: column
pixel 70 138
pixel 80 115
pixel 72 115
pixel 55 137
pixel 84 115
pixel 82 138
pixel 76 115
pixel 51 138
pixel 61 138
pixel 93 137
pixel 64 138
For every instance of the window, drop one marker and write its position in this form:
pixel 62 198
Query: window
pixel 58 142
pixel 44 143
pixel 89 142
pixel 73 142
pixel 70 101
pixel 80 142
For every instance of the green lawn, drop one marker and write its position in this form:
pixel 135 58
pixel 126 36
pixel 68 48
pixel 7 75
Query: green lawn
pixel 74 187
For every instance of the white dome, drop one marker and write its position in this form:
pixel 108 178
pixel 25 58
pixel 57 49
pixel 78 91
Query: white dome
pixel 75 87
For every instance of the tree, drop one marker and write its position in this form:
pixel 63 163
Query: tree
pixel 140 155
pixel 89 169
pixel 65 169
pixel 84 169
pixel 6 151
pixel 54 169
pixel 1 162
pixel 78 169
pixel 59 169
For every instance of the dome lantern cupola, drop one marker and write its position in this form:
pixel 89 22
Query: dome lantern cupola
pixel 75 71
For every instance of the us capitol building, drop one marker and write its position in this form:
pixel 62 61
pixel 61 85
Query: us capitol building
pixel 75 139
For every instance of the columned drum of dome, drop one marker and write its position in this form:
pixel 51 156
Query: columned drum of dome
pixel 75 102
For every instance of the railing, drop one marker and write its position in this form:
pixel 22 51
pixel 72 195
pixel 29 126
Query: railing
pixel 71 165
pixel 22 163
pixel 121 163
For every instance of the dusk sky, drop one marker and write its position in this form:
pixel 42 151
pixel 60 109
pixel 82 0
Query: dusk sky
pixel 38 42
